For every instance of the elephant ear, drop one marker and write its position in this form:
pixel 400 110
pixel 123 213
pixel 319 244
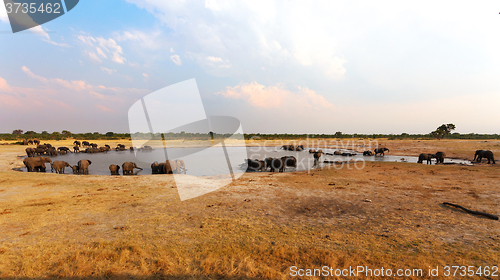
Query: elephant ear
pixel 117 167
pixel 89 162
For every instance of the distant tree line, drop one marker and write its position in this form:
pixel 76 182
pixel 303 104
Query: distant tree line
pixel 443 131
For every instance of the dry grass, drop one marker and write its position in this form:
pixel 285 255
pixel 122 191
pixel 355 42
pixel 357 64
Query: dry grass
pixel 117 227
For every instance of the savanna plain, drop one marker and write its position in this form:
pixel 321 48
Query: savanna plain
pixel 387 214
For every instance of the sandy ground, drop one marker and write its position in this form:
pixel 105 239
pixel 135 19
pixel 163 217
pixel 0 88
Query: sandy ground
pixel 384 214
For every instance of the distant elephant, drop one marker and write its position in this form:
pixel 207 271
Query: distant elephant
pixel 107 147
pixel 77 143
pixel 93 145
pixel 30 152
pixel 337 153
pixel 25 142
pixel 47 145
pixel 59 166
pixel 312 151
pixel 277 164
pixel 380 151
pixel 256 165
pixel 75 169
pixel 51 151
pixel 30 142
pixel 36 141
pixel 83 166
pixel 368 153
pixel 36 163
pixel 76 149
pixel 128 168
pixel 480 154
pixel 439 157
pixel 65 149
pixel 85 143
pixel 114 169
pixel 289 161
pixel 427 157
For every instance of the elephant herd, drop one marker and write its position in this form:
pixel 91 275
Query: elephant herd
pixel 37 164
pixel 273 164
pixel 31 142
pixel 169 167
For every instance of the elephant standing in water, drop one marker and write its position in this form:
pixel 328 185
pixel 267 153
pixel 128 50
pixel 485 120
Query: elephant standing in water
pixel 128 168
pixel 439 157
pixel 36 163
pixel 256 165
pixel 427 157
pixel 114 169
pixel 480 154
pixel 59 166
pixel 83 166
pixel 381 151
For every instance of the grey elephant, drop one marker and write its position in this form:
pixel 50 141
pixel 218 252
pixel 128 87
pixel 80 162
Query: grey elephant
pixel 128 168
pixel 114 169
pixel 36 163
pixel 440 157
pixel 427 157
pixel 381 151
pixel 59 166
pixel 480 154
pixel 83 166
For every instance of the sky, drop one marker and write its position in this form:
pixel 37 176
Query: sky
pixel 278 66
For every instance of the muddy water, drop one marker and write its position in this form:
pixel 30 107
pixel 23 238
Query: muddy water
pixel 208 162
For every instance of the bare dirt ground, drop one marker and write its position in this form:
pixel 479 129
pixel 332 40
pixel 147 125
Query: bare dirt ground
pixel 384 215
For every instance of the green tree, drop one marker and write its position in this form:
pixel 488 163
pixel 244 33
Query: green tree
pixel 66 133
pixel 110 134
pixel 17 132
pixel 443 130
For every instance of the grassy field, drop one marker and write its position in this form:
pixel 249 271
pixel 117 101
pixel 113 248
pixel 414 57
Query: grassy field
pixel 385 215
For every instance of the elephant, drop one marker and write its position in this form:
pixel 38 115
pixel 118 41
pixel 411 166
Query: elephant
pixel 59 166
pixel 114 169
pixel 47 145
pixel 255 164
pixel 179 166
pixel 36 163
pixel 39 151
pixel 289 161
pixel 51 151
pixel 93 145
pixel 30 152
pixel 83 166
pixel 147 148
pixel 381 151
pixel 25 142
pixel 299 148
pixel 75 169
pixel 128 168
pixel 30 142
pixel 155 168
pixel 427 157
pixel 166 168
pixel 317 156
pixel 368 153
pixel 337 153
pixel 277 164
pixel 76 149
pixel 77 143
pixel 107 147
pixel 66 149
pixel 480 154
pixel 439 157
pixel 85 143
pixel 36 141
pixel 312 151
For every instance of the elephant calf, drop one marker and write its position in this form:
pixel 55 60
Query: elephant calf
pixel 114 169
pixel 128 168
pixel 427 157
pixel 59 166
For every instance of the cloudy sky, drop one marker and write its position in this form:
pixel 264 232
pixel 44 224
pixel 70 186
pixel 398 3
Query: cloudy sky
pixel 278 66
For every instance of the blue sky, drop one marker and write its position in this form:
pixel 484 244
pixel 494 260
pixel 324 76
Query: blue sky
pixel 278 66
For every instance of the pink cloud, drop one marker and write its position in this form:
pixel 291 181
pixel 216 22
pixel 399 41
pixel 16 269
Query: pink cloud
pixel 104 109
pixel 275 96
pixel 4 86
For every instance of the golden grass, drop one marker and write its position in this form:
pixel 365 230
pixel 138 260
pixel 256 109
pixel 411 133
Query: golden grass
pixel 117 227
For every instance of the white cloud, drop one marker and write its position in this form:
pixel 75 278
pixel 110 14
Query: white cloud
pixel 176 59
pixel 214 59
pixel 109 71
pixel 146 76
pixel 276 96
pixel 151 40
pixel 3 12
pixel 100 47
